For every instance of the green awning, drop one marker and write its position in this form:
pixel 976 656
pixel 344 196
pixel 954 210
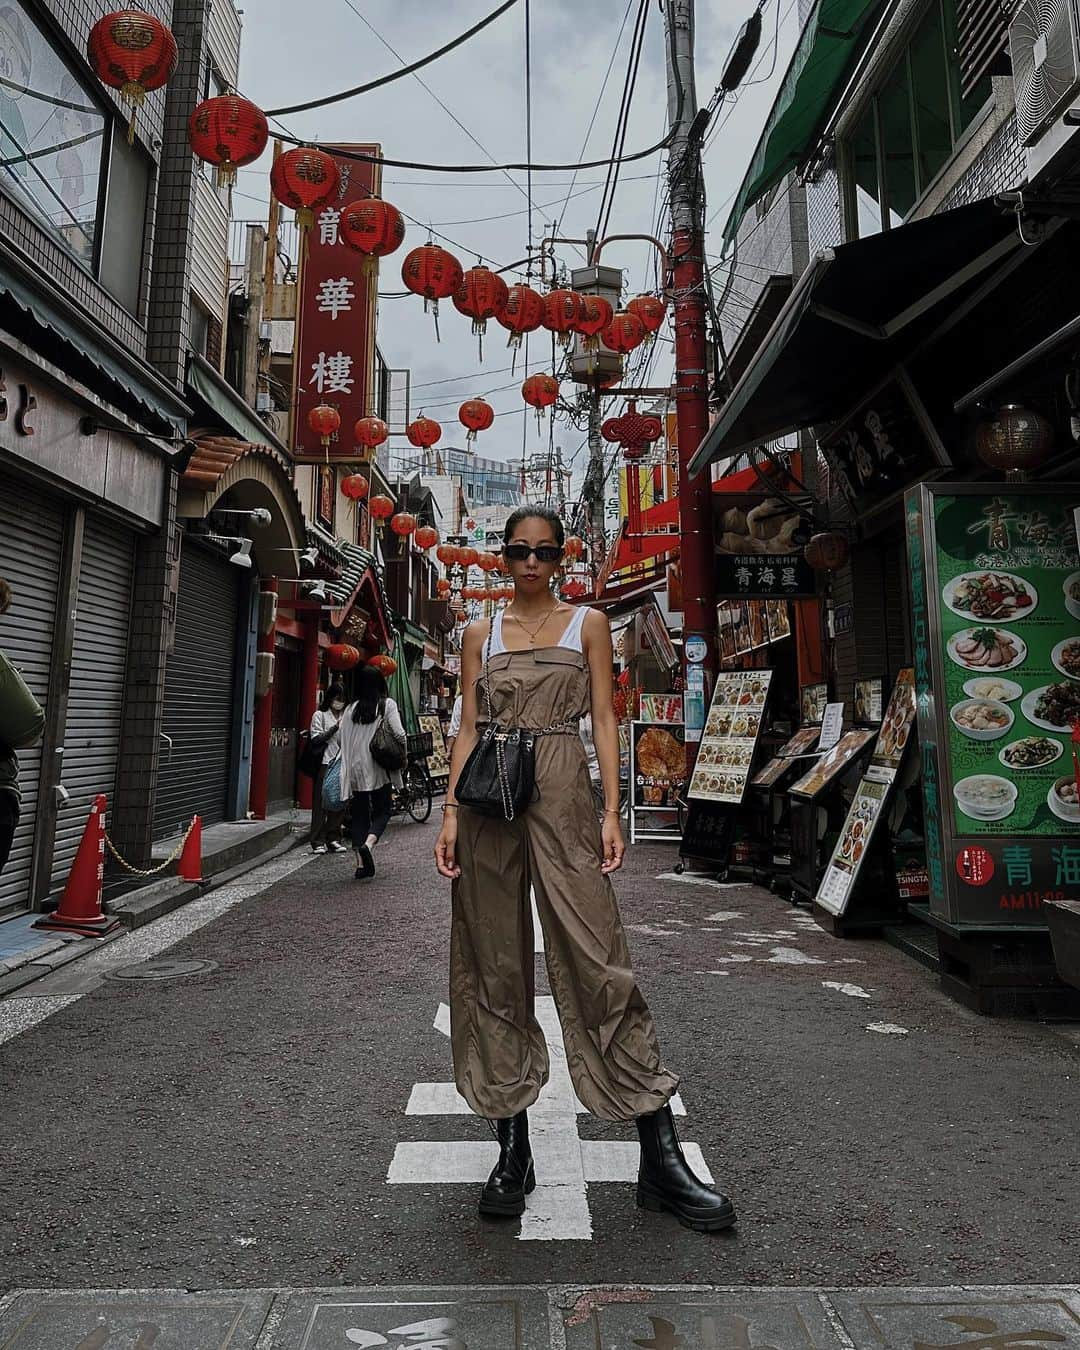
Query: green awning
pixel 401 689
pixel 831 40
pixel 412 633
pixel 225 403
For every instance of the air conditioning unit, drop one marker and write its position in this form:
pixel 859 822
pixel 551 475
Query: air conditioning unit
pixel 1044 43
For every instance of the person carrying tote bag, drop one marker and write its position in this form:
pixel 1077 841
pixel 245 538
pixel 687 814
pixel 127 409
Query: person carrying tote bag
pixel 324 744
pixel 365 782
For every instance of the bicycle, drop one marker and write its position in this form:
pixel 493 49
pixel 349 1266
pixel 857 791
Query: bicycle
pixel 414 797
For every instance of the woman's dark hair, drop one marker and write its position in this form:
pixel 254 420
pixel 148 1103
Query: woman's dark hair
pixel 369 686
pixel 539 513
pixel 333 691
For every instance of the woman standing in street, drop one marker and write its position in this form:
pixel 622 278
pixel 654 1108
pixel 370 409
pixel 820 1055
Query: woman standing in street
pixel 544 665
pixel 363 780
pixel 325 728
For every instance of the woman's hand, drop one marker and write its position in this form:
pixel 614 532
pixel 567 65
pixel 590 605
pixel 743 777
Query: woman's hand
pixel 614 848
pixel 446 848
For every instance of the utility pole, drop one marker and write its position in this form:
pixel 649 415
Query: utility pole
pixel 691 363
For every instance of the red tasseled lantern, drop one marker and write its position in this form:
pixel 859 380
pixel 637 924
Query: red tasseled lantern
pixel 562 313
pixel 482 295
pixel 596 314
pixel 623 333
pixel 340 656
pixel 372 227
pixel 383 663
pixel 381 508
pixel 447 554
pixel 426 536
pixel 432 272
pixel 403 524
pixel 423 432
pixel 355 487
pixel 475 415
pixel 650 309
pixel 324 420
pixel 540 392
pixel 305 179
pixel 228 132
pixel 369 433
pixel 523 313
pixel 467 556
pixel 133 52
pixel 487 562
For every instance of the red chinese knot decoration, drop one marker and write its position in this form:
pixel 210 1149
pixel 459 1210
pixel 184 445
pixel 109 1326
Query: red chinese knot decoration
pixel 228 132
pixel 133 52
pixel 305 179
pixel 562 313
pixel 423 432
pixel 325 421
pixel 623 333
pixel 403 524
pixel 634 433
pixel 355 487
pixel 482 295
pixel 340 656
pixel 475 415
pixel 371 227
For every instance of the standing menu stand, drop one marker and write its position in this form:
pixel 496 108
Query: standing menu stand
pixel 438 762
pixel 817 808
pixel 770 784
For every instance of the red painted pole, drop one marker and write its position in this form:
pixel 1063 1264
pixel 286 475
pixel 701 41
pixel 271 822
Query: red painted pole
pixel 309 699
pixel 264 708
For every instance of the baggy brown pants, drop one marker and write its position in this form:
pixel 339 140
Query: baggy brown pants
pixel 500 1056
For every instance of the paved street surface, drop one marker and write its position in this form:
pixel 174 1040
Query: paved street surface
pixel 253 1094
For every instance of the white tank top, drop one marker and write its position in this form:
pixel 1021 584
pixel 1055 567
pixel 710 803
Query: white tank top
pixel 571 638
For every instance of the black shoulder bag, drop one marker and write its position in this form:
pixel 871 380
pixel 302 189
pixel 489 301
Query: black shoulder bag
pixel 387 751
pixel 499 777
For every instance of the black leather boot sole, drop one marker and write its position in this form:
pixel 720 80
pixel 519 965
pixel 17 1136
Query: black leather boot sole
pixel 707 1219
pixel 507 1204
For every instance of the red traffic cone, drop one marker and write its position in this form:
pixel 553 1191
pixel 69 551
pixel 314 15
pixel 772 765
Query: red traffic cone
pixel 80 906
pixel 189 868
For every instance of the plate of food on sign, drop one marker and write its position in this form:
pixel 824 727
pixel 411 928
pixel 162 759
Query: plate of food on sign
pixel 986 648
pixel 1066 656
pixel 1053 706
pixel 990 595
pixel 1031 752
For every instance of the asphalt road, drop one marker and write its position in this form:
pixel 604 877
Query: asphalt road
pixel 237 1129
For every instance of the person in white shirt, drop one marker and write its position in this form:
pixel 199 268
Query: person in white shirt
pixel 454 729
pixel 326 825
pixel 364 782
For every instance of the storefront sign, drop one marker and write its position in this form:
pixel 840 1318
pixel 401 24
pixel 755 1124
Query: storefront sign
pixel 996 622
pixel 866 701
pixel 812 701
pixel 326 494
pixel 780 576
pixel 843 619
pixel 731 733
pixel 335 320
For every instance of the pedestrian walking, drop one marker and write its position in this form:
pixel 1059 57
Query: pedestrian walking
pixel 534 671
pixel 365 783
pixel 21 723
pixel 325 733
pixel 453 731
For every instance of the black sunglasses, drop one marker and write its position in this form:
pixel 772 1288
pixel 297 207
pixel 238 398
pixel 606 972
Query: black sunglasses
pixel 545 553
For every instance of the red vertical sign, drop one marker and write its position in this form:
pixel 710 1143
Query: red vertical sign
pixel 335 319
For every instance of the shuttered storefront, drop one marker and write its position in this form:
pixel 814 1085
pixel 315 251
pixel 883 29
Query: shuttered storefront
pixel 98 680
pixel 200 684
pixel 31 546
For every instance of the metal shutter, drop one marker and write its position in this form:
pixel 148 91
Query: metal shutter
pixel 98 679
pixel 199 693
pixel 31 543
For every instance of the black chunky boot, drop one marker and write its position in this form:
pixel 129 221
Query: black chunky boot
pixel 513 1177
pixel 665 1180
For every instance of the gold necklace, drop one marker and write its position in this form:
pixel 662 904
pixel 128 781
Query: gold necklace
pixel 534 633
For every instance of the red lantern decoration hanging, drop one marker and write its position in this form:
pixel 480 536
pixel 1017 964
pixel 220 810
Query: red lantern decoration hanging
pixel 432 272
pixel 369 433
pixel 228 132
pixel 487 562
pixel 305 179
pixel 447 554
pixel 386 665
pixel 403 524
pixel 650 309
pixel 523 313
pixel 475 415
pixel 540 392
pixel 562 313
pixel 325 421
pixel 133 52
pixel 442 588
pixel 623 333
pixel 381 508
pixel 340 656
pixel 372 227
pixel 467 556
pixel 426 536
pixel 827 552
pixel 596 314
pixel 355 487
pixel 423 432
pixel 482 295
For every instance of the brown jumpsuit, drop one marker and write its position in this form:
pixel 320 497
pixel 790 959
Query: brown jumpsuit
pixel 500 1056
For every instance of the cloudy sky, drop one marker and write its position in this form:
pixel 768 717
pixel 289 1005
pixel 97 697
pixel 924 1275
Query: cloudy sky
pixel 293 52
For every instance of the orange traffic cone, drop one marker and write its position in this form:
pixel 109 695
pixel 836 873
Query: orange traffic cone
pixel 80 906
pixel 189 868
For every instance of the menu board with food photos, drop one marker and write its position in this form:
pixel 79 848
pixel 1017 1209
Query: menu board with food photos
pixel 802 744
pixel 438 762
pixel 661 707
pixel 731 733
pixel 657 774
pixel 843 754
pixel 897 728
pixel 812 701
pixel 866 701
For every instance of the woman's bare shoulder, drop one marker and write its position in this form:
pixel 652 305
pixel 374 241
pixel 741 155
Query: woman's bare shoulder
pixel 475 635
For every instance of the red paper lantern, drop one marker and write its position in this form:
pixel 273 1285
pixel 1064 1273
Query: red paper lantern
pixel 383 663
pixel 827 552
pixel 623 333
pixel 355 487
pixel 305 179
pixel 487 562
pixel 482 295
pixel 596 314
pixel 523 313
pixel 340 656
pixel 562 313
pixel 650 309
pixel 467 556
pixel 133 52
pixel 426 536
pixel 324 420
pixel 447 554
pixel 540 391
pixel 403 524
pixel 423 432
pixel 432 272
pixel 228 132
pixel 372 227
pixel 475 415
pixel 381 507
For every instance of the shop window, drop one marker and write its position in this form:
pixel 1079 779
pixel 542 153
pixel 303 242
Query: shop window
pixel 930 90
pixel 125 221
pixel 898 145
pixel 198 326
pixel 864 174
